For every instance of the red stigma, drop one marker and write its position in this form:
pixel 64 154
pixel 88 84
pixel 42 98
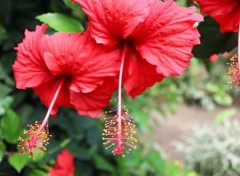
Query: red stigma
pixel 118 150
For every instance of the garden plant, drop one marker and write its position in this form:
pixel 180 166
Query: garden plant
pixel 79 80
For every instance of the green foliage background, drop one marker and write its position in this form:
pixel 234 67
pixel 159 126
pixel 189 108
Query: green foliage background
pixel 82 135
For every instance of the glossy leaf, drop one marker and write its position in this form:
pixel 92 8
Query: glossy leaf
pixel 10 126
pixel 3 33
pixel 156 161
pixel 71 5
pixel 61 22
pixel 94 136
pixel 2 150
pixel 38 173
pixel 18 161
pixel 102 163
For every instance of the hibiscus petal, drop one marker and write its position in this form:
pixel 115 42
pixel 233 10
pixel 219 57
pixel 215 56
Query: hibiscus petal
pixel 47 90
pixel 92 103
pixel 226 12
pixel 139 74
pixel 29 68
pixel 78 56
pixel 167 36
pixel 58 172
pixel 64 165
pixel 112 20
pixel 61 52
pixel 65 160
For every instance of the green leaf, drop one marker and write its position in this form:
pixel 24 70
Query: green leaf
pixel 37 157
pixel 3 33
pixel 3 69
pixel 38 173
pixel 94 136
pixel 102 163
pixel 71 5
pixel 2 150
pixel 225 115
pixel 5 90
pixel 5 103
pixel 156 161
pixel 25 110
pixel 83 152
pixel 223 99
pixel 18 161
pixel 142 120
pixel 61 22
pixel 10 126
pixel 132 160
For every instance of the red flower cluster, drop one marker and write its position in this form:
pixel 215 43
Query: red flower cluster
pixel 64 165
pixel 137 43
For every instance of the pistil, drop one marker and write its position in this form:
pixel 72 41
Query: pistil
pixel 118 149
pixel 120 129
pixel 38 134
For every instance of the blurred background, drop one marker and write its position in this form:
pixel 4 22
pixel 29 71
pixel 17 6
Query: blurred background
pixel 187 126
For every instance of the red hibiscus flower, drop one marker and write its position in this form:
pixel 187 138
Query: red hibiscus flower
pixel 64 165
pixel 155 38
pixel 225 12
pixel 63 70
pixel 158 37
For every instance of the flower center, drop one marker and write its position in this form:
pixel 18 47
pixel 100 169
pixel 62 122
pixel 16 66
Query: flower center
pixel 37 136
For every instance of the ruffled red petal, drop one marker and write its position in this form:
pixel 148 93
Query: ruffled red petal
pixel 82 59
pixel 29 68
pixel 65 160
pixel 92 103
pixel 167 37
pixel 226 12
pixel 112 20
pixel 64 165
pixel 61 53
pixel 138 74
pixel 95 64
